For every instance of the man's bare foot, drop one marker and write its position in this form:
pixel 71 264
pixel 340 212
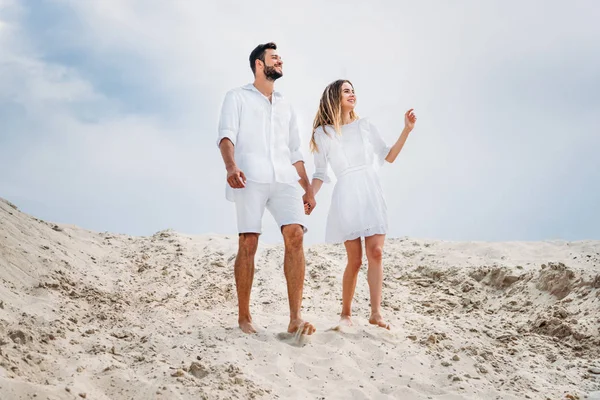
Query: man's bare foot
pixel 345 320
pixel 297 324
pixel 377 319
pixel 246 326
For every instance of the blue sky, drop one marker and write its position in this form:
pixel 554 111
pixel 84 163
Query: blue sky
pixel 108 109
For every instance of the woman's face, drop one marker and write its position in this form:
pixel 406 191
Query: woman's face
pixel 348 97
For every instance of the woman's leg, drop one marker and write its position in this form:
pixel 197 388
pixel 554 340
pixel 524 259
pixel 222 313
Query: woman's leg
pixel 354 253
pixel 374 249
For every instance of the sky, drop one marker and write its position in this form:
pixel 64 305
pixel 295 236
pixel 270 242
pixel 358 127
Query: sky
pixel 109 109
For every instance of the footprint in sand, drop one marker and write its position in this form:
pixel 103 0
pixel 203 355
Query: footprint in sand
pixel 359 333
pixel 296 339
pixel 346 330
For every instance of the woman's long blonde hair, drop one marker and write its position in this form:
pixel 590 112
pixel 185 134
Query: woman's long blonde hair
pixel 330 111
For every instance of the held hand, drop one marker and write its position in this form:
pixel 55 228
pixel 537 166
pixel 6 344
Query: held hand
pixel 309 202
pixel 410 119
pixel 236 178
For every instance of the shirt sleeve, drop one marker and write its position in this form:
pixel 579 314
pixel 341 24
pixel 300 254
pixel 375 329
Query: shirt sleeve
pixel 379 145
pixel 320 156
pixel 229 120
pixel 295 142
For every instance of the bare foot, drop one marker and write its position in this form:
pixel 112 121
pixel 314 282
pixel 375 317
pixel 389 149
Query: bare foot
pixel 298 325
pixel 345 320
pixel 377 319
pixel 246 326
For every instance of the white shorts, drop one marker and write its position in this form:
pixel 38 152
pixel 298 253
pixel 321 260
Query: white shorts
pixel 283 200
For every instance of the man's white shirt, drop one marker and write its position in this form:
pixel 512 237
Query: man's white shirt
pixel 265 135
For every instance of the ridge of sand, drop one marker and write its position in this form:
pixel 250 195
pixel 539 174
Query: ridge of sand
pixel 109 316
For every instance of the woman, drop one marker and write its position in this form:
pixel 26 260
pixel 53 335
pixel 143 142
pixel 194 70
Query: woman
pixel 351 145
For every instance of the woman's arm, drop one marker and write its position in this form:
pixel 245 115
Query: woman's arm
pixel 316 185
pixel 320 174
pixel 409 123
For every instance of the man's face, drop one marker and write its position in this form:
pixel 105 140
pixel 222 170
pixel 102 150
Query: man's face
pixel 273 65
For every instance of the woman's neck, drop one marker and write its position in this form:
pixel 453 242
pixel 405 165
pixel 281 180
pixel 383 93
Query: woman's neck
pixel 346 117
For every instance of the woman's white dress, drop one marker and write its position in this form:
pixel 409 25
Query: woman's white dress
pixel 358 208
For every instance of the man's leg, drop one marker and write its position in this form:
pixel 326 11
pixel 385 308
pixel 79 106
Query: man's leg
pixel 250 205
pixel 244 275
pixel 286 205
pixel 294 267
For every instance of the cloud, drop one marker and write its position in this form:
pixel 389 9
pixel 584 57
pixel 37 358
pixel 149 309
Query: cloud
pixel 108 109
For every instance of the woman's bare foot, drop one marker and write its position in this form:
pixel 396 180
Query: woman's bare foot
pixel 345 320
pixel 297 324
pixel 246 325
pixel 377 319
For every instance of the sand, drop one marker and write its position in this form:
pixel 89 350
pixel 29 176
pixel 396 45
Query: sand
pixel 110 316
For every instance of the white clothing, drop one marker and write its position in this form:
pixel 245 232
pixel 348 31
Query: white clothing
pixel 283 200
pixel 265 135
pixel 358 208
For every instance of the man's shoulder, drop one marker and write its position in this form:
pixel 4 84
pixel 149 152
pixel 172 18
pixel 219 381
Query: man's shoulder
pixel 236 91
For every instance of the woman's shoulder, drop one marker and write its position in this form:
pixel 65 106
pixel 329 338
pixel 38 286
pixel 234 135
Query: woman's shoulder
pixel 324 131
pixel 366 124
pixel 364 121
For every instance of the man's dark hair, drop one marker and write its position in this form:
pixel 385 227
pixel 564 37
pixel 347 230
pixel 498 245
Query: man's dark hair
pixel 259 54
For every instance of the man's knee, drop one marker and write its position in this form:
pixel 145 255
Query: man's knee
pixel 293 235
pixel 248 243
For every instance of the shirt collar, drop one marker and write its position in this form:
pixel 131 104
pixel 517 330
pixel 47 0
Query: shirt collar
pixel 251 87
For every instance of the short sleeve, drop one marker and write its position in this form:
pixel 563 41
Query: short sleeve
pixel 229 120
pixel 379 146
pixel 320 156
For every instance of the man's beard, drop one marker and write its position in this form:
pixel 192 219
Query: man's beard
pixel 272 74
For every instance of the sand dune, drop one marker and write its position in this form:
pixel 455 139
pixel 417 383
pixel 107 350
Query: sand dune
pixel 107 316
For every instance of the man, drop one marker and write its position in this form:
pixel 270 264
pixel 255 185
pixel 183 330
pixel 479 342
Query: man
pixel 259 141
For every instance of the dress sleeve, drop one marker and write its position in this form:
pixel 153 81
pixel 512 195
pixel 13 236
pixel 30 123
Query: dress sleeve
pixel 321 168
pixel 379 145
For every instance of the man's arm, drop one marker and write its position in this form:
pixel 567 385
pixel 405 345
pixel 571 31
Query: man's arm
pixel 304 181
pixel 235 177
pixel 229 122
pixel 298 162
pixel 309 197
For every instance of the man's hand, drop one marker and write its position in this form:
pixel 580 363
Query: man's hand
pixel 309 202
pixel 236 178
